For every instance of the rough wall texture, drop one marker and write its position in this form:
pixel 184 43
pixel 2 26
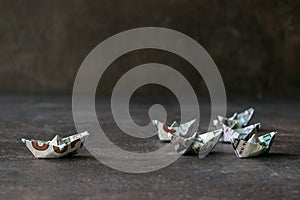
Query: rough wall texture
pixel 255 44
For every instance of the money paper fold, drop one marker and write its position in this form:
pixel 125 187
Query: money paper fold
pixel 239 133
pixel 251 145
pixel 236 121
pixel 57 147
pixel 200 144
pixel 165 132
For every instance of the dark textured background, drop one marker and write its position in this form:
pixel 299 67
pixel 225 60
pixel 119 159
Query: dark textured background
pixel 255 44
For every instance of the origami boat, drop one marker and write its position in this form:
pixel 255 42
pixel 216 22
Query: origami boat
pixel 57 147
pixel 239 133
pixel 200 144
pixel 251 145
pixel 236 120
pixel 165 132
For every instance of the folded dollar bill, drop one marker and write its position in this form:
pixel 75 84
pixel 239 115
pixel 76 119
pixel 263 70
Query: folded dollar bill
pixel 236 120
pixel 200 144
pixel 164 131
pixel 239 133
pixel 57 147
pixel 251 145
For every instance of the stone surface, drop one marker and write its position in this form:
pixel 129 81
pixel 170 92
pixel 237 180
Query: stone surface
pixel 220 175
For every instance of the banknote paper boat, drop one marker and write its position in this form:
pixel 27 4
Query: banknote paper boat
pixel 165 132
pixel 251 145
pixel 237 120
pixel 57 147
pixel 239 132
pixel 200 144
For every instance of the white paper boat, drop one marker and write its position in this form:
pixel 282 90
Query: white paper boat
pixel 252 145
pixel 236 120
pixel 200 144
pixel 165 132
pixel 239 133
pixel 57 147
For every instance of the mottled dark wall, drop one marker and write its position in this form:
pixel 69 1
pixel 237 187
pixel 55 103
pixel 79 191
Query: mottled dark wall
pixel 255 44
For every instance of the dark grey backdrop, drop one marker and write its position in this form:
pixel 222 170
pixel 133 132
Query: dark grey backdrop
pixel 255 44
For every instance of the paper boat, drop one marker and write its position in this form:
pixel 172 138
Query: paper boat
pixel 236 121
pixel 239 133
pixel 251 145
pixel 200 144
pixel 165 132
pixel 57 147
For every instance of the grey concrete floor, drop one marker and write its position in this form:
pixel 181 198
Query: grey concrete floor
pixel 220 175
